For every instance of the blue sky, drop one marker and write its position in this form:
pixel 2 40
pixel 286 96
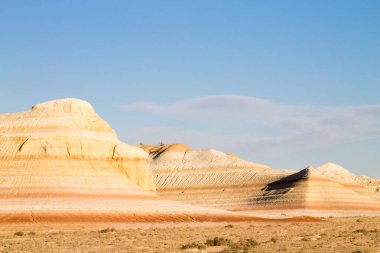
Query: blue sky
pixel 285 83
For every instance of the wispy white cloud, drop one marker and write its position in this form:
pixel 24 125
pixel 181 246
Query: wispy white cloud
pixel 297 126
pixel 220 106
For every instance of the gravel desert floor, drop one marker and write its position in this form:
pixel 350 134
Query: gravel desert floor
pixel 348 235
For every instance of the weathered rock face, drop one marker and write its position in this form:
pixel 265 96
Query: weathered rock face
pixel 207 177
pixel 350 180
pixel 214 179
pixel 370 184
pixel 60 162
pixel 69 131
pixel 179 157
pixel 310 190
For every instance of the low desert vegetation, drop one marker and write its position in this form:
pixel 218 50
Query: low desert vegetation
pixel 245 245
pixel 107 230
pixel 365 231
pixel 332 235
pixel 218 241
pixel 273 240
pixel 194 245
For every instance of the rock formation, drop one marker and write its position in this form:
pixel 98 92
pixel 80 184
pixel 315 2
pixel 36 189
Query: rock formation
pixel 309 190
pixel 215 179
pixel 207 177
pixel 68 130
pixel 350 180
pixel 370 184
pixel 60 162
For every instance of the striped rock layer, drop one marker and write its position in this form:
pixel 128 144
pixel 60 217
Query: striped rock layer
pixel 207 177
pixel 214 179
pixel 61 163
pixel 350 180
pixel 310 190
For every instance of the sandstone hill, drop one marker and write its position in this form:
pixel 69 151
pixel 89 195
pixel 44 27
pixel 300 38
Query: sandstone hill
pixel 181 157
pixel 311 191
pixel 350 180
pixel 208 177
pixel 61 163
pixel 215 179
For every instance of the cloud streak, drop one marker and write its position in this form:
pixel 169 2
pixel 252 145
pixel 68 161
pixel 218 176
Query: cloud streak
pixel 292 126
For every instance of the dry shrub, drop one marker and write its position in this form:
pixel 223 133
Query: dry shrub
pixel 107 230
pixel 231 247
pixel 245 246
pixel 364 231
pixel 194 245
pixel 218 241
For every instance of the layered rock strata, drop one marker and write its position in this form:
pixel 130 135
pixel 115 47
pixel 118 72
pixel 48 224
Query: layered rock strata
pixel 215 179
pixel 310 190
pixel 61 163
pixel 360 183
pixel 207 177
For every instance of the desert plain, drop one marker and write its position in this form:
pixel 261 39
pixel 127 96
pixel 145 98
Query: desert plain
pixel 345 235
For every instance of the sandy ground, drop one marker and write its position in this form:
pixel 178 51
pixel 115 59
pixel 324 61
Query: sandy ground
pixel 348 235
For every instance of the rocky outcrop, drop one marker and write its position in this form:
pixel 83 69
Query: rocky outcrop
pixel 179 157
pixel 309 190
pixel 370 184
pixel 207 177
pixel 68 130
pixel 214 179
pixel 61 163
pixel 355 182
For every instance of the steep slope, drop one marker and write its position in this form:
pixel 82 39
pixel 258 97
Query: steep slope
pixel 310 190
pixel 207 177
pixel 61 163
